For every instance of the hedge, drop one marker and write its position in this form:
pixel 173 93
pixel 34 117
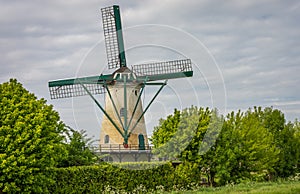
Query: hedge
pixel 120 177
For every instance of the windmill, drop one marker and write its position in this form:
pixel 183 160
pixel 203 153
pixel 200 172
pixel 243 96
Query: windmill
pixel 123 122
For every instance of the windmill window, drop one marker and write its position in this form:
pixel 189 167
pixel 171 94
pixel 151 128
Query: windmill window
pixel 106 139
pixel 122 112
pixel 135 92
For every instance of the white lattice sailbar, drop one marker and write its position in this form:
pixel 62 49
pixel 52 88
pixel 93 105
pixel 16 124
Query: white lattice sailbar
pixel 73 87
pixel 113 37
pixel 166 67
pixel 68 91
pixel 164 70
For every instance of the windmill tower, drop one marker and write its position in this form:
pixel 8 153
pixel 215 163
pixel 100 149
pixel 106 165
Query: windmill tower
pixel 123 123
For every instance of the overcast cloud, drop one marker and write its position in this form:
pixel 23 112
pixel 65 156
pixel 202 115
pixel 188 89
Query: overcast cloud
pixel 252 56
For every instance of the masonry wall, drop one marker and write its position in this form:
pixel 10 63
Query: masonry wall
pixel 117 93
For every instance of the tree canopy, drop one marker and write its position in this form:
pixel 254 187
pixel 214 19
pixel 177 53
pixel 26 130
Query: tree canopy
pixel 30 139
pixel 253 145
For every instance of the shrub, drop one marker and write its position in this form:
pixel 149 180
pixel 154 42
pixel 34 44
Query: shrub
pixel 121 178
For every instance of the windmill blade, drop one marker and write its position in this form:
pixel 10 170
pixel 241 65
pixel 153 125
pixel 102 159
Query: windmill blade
pixel 113 37
pixel 164 70
pixel 73 87
pixel 74 90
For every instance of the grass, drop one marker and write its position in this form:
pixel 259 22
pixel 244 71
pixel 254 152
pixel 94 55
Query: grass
pixel 251 188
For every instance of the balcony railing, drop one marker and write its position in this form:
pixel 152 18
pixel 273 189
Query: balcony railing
pixel 107 148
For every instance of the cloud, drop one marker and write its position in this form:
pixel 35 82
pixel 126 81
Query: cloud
pixel 255 45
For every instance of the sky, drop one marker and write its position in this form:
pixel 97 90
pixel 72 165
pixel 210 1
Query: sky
pixel 244 53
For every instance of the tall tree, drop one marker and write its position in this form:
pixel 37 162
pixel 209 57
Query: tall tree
pixel 284 139
pixel 249 148
pixel 190 136
pixel 179 134
pixel 166 129
pixel 30 139
pixel 288 144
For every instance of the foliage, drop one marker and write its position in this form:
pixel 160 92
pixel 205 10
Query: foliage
pixel 179 134
pixel 254 145
pixel 285 140
pixel 163 133
pixel 193 139
pixel 30 140
pixel 112 178
pixel 79 149
pixel 245 149
pixel 107 178
pixel 189 172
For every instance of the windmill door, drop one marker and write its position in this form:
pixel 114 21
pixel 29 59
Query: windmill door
pixel 141 142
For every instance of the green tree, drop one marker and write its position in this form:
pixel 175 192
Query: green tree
pixel 190 136
pixel 246 147
pixel 288 144
pixel 166 129
pixel 178 135
pixel 79 148
pixel 227 149
pixel 233 149
pixel 30 140
pixel 285 139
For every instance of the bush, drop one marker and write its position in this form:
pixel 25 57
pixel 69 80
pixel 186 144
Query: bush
pixel 120 177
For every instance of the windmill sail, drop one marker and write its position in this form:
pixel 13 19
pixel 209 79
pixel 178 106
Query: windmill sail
pixel 75 90
pixel 113 37
pixel 74 87
pixel 164 70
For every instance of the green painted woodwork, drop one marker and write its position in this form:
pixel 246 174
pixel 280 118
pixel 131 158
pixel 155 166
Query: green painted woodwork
pixel 141 142
pixel 119 36
pixel 134 126
pixel 125 112
pixel 166 76
pixel 114 105
pixel 83 80
pixel 136 104
pixel 102 79
pixel 102 109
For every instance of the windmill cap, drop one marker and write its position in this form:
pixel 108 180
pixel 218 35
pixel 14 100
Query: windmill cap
pixel 122 70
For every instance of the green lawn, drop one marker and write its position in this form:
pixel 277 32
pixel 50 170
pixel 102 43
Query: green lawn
pixel 253 188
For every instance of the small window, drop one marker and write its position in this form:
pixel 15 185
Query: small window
pixel 106 139
pixel 136 92
pixel 122 112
